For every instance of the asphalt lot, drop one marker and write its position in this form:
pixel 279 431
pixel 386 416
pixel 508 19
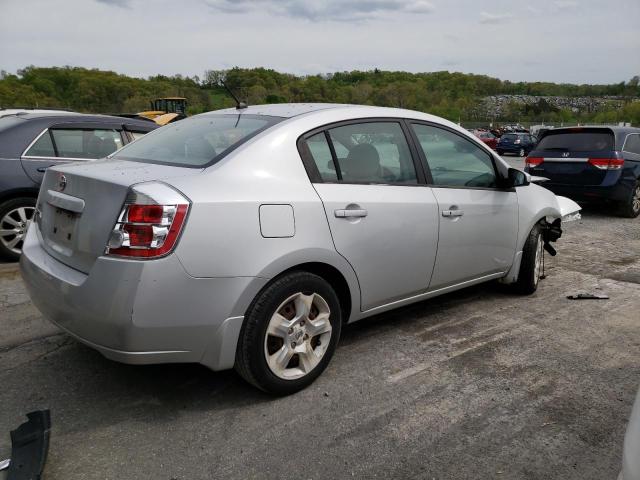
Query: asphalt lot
pixel 476 384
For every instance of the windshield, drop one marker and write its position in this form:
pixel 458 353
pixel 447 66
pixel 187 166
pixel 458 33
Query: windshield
pixel 196 142
pixel 584 141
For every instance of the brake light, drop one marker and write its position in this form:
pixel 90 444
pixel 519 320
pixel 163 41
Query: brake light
pixel 607 163
pixel 533 161
pixel 150 222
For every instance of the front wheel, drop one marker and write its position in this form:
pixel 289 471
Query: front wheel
pixel 631 208
pixel 290 334
pixel 531 264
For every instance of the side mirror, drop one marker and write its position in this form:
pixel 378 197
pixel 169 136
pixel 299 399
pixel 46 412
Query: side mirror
pixel 517 178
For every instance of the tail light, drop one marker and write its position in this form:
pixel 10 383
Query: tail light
pixel 607 163
pixel 150 223
pixel 533 161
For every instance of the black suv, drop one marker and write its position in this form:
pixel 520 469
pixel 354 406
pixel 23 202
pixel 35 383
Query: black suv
pixel 591 164
pixel 32 142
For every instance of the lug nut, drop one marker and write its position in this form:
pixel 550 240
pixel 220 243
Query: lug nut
pixel 301 323
pixel 293 344
pixel 290 331
pixel 306 337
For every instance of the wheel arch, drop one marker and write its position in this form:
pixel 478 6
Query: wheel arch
pixel 18 193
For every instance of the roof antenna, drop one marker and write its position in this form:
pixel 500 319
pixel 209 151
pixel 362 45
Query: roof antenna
pixel 239 105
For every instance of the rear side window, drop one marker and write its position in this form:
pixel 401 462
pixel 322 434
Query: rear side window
pixel 578 141
pixel 632 144
pixel 196 142
pixel 84 143
pixel 372 152
pixel 43 147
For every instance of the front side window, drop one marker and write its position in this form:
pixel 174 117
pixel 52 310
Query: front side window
pixel 86 143
pixel 43 147
pixel 453 160
pixel 197 141
pixel 372 152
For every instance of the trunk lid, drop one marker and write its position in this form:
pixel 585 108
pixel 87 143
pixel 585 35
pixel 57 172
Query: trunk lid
pixel 78 205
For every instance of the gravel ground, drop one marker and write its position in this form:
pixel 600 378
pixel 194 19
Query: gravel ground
pixel 475 384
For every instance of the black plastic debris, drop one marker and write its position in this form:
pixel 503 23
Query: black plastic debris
pixel 588 296
pixel 29 447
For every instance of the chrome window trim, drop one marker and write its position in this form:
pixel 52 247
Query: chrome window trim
pixel 73 159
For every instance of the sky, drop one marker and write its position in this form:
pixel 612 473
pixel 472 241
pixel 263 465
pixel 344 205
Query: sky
pixel 573 41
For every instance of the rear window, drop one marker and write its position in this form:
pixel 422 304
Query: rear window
pixel 196 142
pixel 579 141
pixel 510 136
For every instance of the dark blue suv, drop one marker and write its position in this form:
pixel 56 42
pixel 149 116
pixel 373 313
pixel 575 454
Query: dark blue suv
pixel 516 143
pixel 591 164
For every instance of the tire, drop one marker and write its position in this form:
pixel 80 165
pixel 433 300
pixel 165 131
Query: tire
pixel 531 264
pixel 631 208
pixel 522 152
pixel 500 152
pixel 297 337
pixel 15 217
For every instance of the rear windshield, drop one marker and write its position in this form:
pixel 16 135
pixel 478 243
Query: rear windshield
pixel 510 136
pixel 196 142
pixel 579 141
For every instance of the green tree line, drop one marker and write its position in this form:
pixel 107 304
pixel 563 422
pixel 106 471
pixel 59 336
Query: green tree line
pixel 452 95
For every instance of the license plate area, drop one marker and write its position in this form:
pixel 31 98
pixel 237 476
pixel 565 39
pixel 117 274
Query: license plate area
pixel 62 229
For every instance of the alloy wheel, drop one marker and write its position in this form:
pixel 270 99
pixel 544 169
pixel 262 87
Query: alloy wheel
pixel 521 152
pixel 13 227
pixel 298 335
pixel 635 201
pixel 537 269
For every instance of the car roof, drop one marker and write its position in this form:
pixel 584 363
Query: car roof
pixel 284 110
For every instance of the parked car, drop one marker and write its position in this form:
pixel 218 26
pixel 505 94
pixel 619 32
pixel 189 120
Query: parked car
pixel 516 143
pixel 32 142
pixel 488 138
pixel 19 111
pixel 591 164
pixel 248 237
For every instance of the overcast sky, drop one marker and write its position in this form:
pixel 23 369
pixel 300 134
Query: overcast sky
pixel 578 41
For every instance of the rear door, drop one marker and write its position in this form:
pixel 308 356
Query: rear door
pixel 383 219
pixel 68 143
pixel 573 156
pixel 478 220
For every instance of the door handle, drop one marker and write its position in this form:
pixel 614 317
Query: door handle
pixel 350 213
pixel 452 213
pixel 44 169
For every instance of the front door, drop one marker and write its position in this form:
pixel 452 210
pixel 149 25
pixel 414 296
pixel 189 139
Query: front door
pixel 478 220
pixel 381 219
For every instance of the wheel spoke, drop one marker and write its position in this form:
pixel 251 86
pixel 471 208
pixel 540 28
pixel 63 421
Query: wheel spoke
pixel 6 233
pixel 12 243
pixel 303 305
pixel 10 220
pixel 308 359
pixel 278 326
pixel 279 360
pixel 23 214
pixel 319 325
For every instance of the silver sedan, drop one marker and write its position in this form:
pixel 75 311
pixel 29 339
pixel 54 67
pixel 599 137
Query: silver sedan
pixel 247 237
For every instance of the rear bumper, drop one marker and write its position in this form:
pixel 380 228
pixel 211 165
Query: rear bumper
pixel 510 148
pixel 583 193
pixel 140 312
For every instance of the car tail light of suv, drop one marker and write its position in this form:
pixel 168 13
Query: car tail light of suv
pixel 533 161
pixel 150 223
pixel 607 163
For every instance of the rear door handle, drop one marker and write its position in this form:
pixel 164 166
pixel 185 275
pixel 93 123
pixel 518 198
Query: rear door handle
pixel 345 213
pixel 452 213
pixel 44 169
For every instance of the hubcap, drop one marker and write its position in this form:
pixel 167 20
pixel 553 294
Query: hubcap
pixel 298 335
pixel 538 261
pixel 521 152
pixel 13 228
pixel 636 199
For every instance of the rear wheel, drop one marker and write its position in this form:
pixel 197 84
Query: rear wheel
pixel 531 264
pixel 631 208
pixel 521 152
pixel 290 334
pixel 15 217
